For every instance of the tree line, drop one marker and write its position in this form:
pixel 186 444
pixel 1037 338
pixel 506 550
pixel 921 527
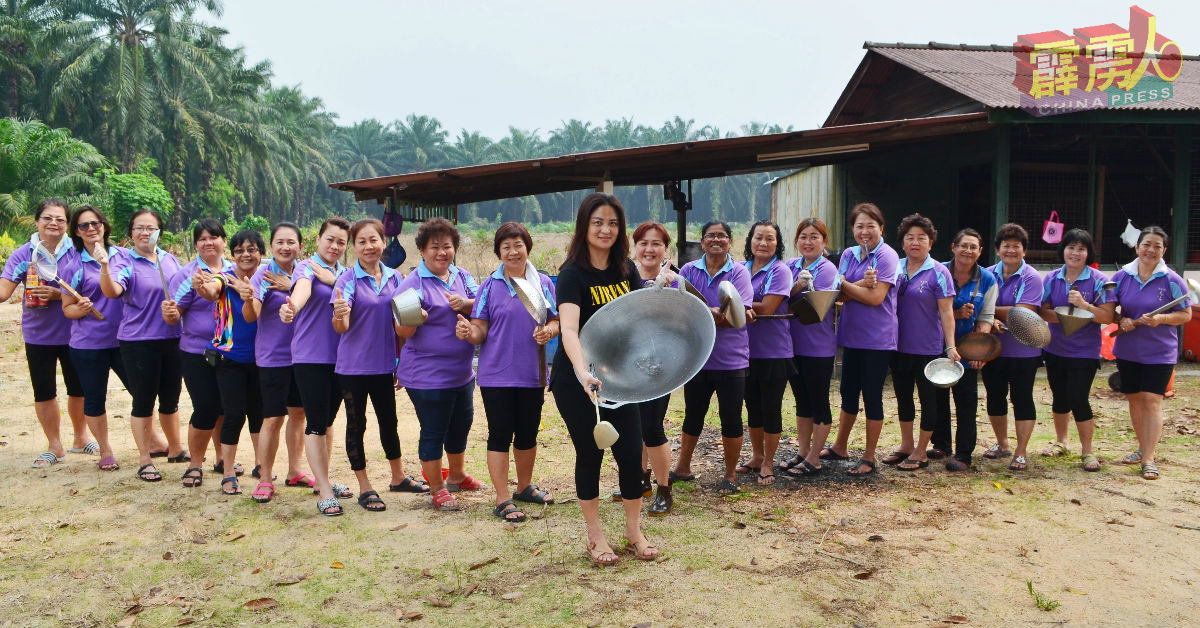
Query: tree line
pixel 145 88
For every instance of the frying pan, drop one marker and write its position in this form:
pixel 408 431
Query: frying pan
pixel 47 269
pixel 978 346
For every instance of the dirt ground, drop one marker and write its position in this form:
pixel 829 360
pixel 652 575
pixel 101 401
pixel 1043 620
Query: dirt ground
pixel 82 547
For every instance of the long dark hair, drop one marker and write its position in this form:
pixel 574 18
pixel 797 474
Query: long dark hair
pixel 73 226
pixel 578 251
pixel 778 239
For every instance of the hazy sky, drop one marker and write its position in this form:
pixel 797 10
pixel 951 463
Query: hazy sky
pixel 488 65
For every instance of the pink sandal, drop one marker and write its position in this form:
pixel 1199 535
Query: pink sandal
pixel 262 495
pixel 443 500
pixel 468 484
pixel 304 479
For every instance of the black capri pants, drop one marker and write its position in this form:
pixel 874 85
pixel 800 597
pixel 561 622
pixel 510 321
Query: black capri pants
pixel 355 390
pixel 1016 374
pixel 513 416
pixel 154 369
pixel 653 413
pixel 320 395
pixel 241 398
pixel 93 366
pixel 766 381
pixel 908 370
pixel 810 387
pixel 279 390
pixel 41 360
pixel 966 404
pixel 1070 382
pixel 730 387
pixel 578 413
pixel 864 371
pixel 201 380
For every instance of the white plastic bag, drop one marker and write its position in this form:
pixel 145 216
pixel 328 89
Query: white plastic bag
pixel 1130 235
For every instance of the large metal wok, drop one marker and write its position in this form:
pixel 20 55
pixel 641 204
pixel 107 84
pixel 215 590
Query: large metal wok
pixel 647 343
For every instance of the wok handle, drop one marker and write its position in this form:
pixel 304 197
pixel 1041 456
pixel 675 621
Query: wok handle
pixel 768 316
pixel 611 405
pixel 71 291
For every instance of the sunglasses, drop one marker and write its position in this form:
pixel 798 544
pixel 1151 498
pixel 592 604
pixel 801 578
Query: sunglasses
pixel 88 226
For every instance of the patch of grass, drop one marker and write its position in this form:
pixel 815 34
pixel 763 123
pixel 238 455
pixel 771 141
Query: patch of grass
pixel 1042 602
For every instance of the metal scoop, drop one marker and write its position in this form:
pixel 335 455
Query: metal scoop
pixel 1071 321
pixel 161 275
pixel 604 433
pixel 535 304
pixel 47 269
pixel 732 305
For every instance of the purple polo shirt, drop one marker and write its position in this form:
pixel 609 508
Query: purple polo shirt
pixel 314 340
pixel 917 314
pixel 1084 343
pixel 1022 287
pixel 1148 345
pixel 369 346
pixel 819 339
pixel 143 296
pixel 39 326
pixel 273 344
pixel 731 351
pixel 82 272
pixel 197 315
pixel 434 358
pixel 771 338
pixel 869 326
pixel 509 356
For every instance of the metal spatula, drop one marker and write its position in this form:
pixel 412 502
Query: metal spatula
pixel 47 268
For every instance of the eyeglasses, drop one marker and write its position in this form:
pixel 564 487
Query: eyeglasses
pixel 145 229
pixel 53 220
pixel 88 226
pixel 250 250
pixel 715 236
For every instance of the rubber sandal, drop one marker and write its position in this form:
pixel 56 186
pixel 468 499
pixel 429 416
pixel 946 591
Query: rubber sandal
pixel 745 468
pixel 908 464
pixel 533 495
pixel 599 558
pixel 261 496
pixel 324 505
pixel 1090 462
pixel 827 453
pixel 443 500
pixel 791 463
pixel 896 457
pixel 339 490
pixel 238 469
pixel 673 477
pixel 1055 449
pixel 994 452
pixel 369 498
pixel 1019 463
pixel 804 469
pixel 1133 457
pixel 160 454
pixel 649 553
pixel 763 481
pixel 468 484
pixel 182 457
pixel 254 472
pixel 195 475
pixel 233 484
pixel 152 475
pixel 45 461
pixel 853 470
pixel 954 464
pixel 1149 471
pixel 409 485
pixel 302 479
pixel 91 449
pixel 504 509
pixel 108 463
pixel 726 488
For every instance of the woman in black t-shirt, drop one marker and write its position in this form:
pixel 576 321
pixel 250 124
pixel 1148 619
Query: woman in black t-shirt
pixel 597 271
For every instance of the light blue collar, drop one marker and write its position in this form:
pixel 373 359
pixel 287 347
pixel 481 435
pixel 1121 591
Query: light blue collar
pixel 724 269
pixel 1086 274
pixel 360 273
pixel 158 253
pixel 424 272
pixel 337 267
pixel 925 265
pixel 749 264
pixel 274 267
pixel 87 257
pixel 858 250
pixel 999 270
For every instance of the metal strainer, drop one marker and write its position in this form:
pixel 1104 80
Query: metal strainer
pixel 1028 328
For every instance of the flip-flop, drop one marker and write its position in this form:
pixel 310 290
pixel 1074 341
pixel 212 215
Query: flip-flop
pixel 745 468
pixel 409 485
pixel 791 463
pixel 160 454
pixel 194 475
pixel 369 498
pixel 182 457
pixel 233 484
pixel 303 479
pixel 108 463
pixel 152 475
pixel 804 469
pixel 45 461
pixel 920 464
pixel 1133 457
pixel 727 488
pixel 827 453
pixel 994 452
pixel 1055 449
pixel 1019 463
pixel 853 470
pixel 339 490
pixel 92 449
pixel 679 478
pixel 324 505
pixel 896 457
pixel 763 481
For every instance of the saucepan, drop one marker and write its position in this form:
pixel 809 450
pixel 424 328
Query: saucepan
pixel 406 308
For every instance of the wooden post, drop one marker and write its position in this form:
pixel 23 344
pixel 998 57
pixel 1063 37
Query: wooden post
pixel 1092 221
pixel 605 187
pixel 1000 178
pixel 1179 213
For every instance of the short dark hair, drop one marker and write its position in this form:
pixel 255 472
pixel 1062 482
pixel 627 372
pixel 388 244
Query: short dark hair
pixel 73 226
pixel 967 232
pixel 649 226
pixel 436 227
pixel 359 225
pixel 815 223
pixel 577 252
pixel 870 210
pixel 779 247
pixel 917 220
pixel 1077 236
pixel 511 230
pixel 1012 231
pixel 248 236
pixel 49 202
pixel 1154 230
pixel 712 223
pixel 335 221
pixel 287 225
pixel 140 212
pixel 212 226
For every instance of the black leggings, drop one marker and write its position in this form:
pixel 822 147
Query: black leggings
pixel 810 387
pixel 155 372
pixel 1000 375
pixel 1070 382
pixel 864 371
pixel 320 395
pixel 577 412
pixel 355 390
pixel 730 387
pixel 93 366
pixel 201 381
pixel 513 416
pixel 241 398
pixel 908 370
pixel 41 360
pixel 966 404
pixel 764 403
pixel 653 413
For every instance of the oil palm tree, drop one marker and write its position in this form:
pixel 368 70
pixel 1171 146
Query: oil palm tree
pixel 37 161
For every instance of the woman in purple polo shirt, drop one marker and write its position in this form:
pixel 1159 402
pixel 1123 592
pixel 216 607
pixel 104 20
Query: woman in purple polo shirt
pixel 1147 348
pixel 924 312
pixel 314 353
pixel 770 348
pixel 1016 368
pixel 866 332
pixel 509 367
pixel 725 371
pixel 198 321
pixel 149 346
pixel 94 348
pixel 366 359
pixel 271 285
pixel 47 334
pixel 435 365
pixel 813 349
pixel 1072 361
